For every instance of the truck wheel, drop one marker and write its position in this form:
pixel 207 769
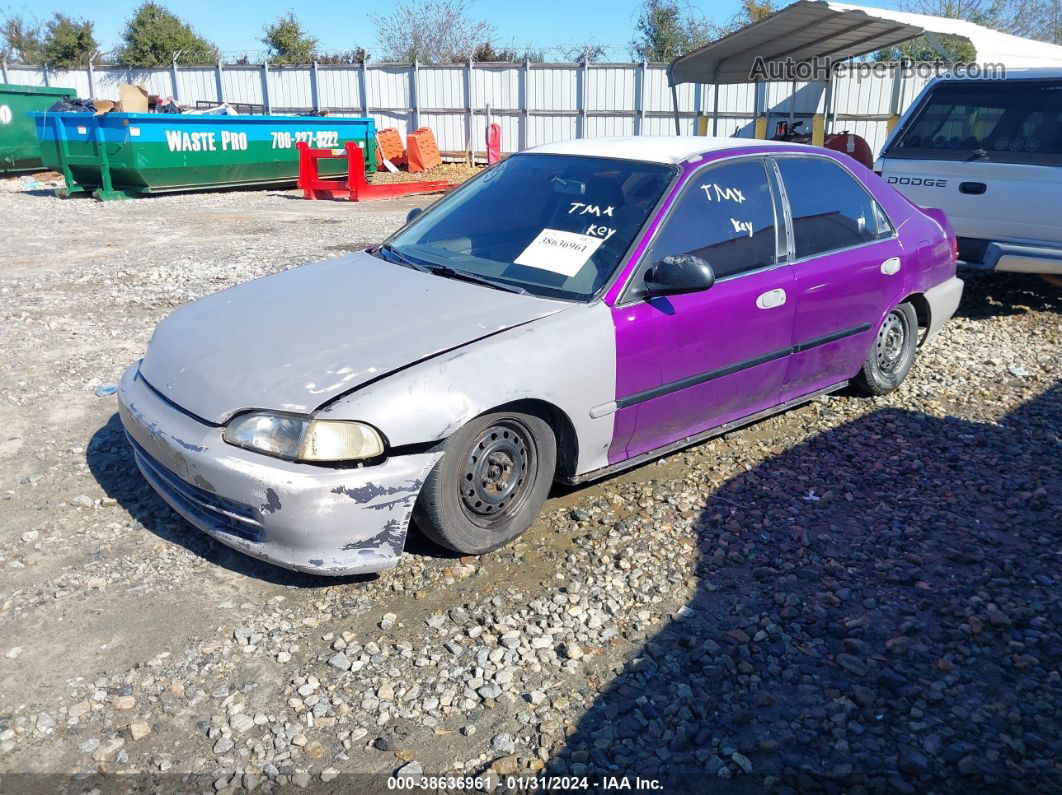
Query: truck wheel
pixel 490 484
pixel 892 354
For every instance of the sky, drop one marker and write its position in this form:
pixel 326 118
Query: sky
pixel 236 25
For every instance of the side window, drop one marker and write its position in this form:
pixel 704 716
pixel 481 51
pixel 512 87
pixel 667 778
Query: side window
pixel 830 209
pixel 726 216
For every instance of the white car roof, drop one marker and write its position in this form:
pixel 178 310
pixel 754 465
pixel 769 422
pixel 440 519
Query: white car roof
pixel 652 149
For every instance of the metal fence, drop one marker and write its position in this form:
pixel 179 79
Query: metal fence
pixel 534 103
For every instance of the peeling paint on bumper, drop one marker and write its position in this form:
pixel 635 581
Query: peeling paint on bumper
pixel 307 518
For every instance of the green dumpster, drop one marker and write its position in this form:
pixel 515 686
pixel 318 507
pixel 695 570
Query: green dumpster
pixel 116 155
pixel 19 149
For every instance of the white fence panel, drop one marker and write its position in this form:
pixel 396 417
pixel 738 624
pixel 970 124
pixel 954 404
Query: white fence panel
pixel 443 87
pixel 451 130
pixel 389 87
pixel 552 88
pixel 197 83
pixel 599 126
pixel 497 85
pixel 402 120
pixel 533 103
pixel 71 78
pixel 340 87
pixel 611 88
pixel 28 76
pixel 291 87
pixel 547 129
pixel 242 84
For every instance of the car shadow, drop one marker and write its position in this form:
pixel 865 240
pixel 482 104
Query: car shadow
pixel 875 609
pixel 110 459
pixel 989 294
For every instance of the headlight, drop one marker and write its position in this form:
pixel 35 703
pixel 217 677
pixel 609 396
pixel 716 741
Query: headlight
pixel 304 438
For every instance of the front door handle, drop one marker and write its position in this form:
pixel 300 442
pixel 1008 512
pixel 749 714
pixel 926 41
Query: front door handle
pixel 891 266
pixel 771 299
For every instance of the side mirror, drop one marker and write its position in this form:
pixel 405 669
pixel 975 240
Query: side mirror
pixel 413 213
pixel 685 273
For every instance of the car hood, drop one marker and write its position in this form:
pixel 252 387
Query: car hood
pixel 295 340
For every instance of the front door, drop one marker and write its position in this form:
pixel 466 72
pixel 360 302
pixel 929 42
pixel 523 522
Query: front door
pixel 686 363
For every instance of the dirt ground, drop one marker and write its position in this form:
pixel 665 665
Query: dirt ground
pixel 132 644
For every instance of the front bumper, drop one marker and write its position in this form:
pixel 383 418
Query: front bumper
pixel 315 519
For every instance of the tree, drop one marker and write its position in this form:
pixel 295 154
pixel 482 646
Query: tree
pixel 23 40
pixel 944 49
pixel 153 37
pixel 288 42
pixel 664 31
pixel 589 52
pixel 431 31
pixel 1041 19
pixel 68 42
pixel 753 11
pixel 355 56
pixel 489 53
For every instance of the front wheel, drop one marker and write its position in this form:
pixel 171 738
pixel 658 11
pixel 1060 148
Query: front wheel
pixel 490 484
pixel 892 354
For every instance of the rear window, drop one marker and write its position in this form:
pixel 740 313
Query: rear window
pixel 1003 121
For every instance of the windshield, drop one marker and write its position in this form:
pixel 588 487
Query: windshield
pixel 553 225
pixel 1003 121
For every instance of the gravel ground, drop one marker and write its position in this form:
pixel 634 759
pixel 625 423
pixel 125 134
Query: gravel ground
pixel 858 595
pixel 450 172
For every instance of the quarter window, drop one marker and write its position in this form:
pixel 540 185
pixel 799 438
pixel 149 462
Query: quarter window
pixel 725 216
pixel 830 209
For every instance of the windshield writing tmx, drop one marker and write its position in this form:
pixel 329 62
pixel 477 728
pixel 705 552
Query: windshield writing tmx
pixel 555 225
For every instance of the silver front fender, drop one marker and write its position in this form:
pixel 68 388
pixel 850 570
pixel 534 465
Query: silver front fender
pixel 567 360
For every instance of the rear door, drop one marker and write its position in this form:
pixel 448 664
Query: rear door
pixel 988 153
pixel 848 267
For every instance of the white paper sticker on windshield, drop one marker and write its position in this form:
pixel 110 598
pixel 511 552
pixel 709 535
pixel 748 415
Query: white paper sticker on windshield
pixel 559 251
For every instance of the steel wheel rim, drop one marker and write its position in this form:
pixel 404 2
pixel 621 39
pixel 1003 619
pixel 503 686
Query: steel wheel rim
pixel 891 342
pixel 497 473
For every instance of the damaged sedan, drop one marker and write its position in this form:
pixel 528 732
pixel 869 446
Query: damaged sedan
pixel 575 310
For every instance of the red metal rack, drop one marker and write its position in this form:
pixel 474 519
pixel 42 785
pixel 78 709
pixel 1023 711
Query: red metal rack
pixel 355 187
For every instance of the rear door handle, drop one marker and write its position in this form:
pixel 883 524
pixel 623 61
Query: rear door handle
pixel 771 299
pixel 975 188
pixel 891 266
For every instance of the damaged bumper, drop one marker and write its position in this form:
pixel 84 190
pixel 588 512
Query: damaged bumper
pixel 308 518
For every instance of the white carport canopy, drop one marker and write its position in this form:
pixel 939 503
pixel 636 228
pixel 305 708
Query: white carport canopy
pixel 810 29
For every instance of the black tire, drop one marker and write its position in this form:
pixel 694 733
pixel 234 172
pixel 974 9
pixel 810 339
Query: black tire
pixel 490 484
pixel 890 357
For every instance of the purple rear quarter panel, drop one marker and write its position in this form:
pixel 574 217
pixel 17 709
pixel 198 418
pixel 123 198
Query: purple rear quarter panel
pixel 831 293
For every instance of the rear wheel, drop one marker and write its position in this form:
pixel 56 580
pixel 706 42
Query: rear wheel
pixel 490 483
pixel 892 354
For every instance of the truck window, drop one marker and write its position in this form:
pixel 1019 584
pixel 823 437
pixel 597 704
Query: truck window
pixel 1003 121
